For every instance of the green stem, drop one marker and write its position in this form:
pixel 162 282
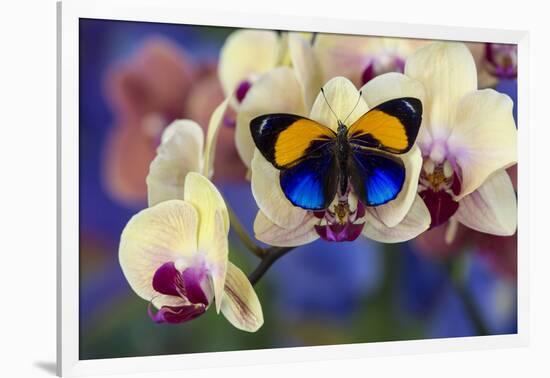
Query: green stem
pixel 456 275
pixel 472 310
pixel 243 234
pixel 267 255
pixel 270 256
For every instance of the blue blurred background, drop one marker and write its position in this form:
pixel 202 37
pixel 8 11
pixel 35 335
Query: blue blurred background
pixel 318 294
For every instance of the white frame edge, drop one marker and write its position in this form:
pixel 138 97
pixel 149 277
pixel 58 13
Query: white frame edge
pixel 172 11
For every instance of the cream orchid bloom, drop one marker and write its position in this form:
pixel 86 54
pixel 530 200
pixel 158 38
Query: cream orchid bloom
pixel 361 58
pixel 280 223
pixel 468 139
pixel 291 88
pixel 175 255
pixel 245 56
pixel 182 150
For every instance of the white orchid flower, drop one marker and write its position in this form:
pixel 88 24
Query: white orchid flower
pixel 361 58
pixel 291 88
pixel 182 150
pixel 175 255
pixel 280 223
pixel 468 138
pixel 245 56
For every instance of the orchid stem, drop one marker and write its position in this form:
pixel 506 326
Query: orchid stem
pixel 470 306
pixel 243 234
pixel 472 310
pixel 267 255
pixel 270 255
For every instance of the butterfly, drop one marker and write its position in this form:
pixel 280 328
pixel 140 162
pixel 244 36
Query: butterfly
pixel 316 163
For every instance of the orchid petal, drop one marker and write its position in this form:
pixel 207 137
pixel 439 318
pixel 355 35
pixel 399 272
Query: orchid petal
pixel 163 233
pixel 247 54
pixel 492 208
pixel 306 67
pixel 240 304
pixel 275 92
pixel 217 252
pixel 269 196
pixel 448 72
pixel 389 86
pixel 345 55
pixel 343 99
pixel 213 227
pixel 392 213
pixel 212 137
pixel 179 153
pixel 268 232
pixel 484 138
pixel 349 56
pixel 416 222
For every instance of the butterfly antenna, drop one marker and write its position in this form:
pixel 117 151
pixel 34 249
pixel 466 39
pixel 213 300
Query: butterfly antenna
pixel 357 103
pixel 330 107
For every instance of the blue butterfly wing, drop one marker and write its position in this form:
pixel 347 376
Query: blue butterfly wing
pixel 311 184
pixel 376 177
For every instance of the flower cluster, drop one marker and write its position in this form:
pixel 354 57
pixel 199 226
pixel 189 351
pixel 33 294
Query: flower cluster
pixel 175 253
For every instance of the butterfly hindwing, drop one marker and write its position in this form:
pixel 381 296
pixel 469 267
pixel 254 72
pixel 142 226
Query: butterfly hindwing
pixel 286 139
pixel 311 184
pixel 391 126
pixel 376 177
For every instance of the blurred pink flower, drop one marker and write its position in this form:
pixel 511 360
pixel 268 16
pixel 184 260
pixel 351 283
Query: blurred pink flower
pixel 494 61
pixel 203 98
pixel 433 243
pixel 500 251
pixel 156 78
pixel 156 85
pixel 362 58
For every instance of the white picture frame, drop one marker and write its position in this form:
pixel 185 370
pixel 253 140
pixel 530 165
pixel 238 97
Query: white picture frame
pixel 174 11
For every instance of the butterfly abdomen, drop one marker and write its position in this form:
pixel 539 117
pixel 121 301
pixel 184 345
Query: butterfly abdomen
pixel 343 154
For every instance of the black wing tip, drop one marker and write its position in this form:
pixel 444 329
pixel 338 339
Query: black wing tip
pixel 415 102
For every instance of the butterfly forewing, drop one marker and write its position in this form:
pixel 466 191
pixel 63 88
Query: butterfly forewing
pixel 391 126
pixel 286 139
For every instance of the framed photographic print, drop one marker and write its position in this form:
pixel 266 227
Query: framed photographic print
pixel 272 188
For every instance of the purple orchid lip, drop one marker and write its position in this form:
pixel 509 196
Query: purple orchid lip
pixel 176 314
pixel 370 72
pixel 186 285
pixel 340 232
pixel 335 229
pixel 242 90
pixel 440 204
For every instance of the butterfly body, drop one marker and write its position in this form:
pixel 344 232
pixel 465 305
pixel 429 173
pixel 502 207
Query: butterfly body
pixel 342 155
pixel 316 162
